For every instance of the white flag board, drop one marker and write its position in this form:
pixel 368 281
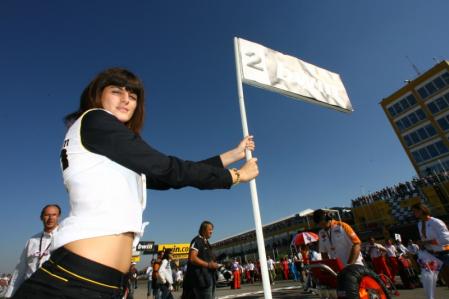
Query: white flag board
pixel 268 69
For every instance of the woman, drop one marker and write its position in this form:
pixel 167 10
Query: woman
pixel 106 169
pixel 165 277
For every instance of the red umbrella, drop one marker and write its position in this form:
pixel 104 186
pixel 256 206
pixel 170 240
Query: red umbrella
pixel 304 238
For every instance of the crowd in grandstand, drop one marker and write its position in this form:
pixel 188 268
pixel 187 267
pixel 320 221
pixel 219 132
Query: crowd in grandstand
pixel 401 190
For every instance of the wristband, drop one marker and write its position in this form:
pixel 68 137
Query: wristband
pixel 237 174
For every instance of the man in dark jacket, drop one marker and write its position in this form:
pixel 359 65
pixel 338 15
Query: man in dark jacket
pixel 200 279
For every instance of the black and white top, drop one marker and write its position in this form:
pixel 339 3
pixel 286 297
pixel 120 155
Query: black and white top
pixel 106 170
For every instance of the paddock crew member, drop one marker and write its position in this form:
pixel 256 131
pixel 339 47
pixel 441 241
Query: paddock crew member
pixel 337 239
pixel 377 253
pixel 392 254
pixel 36 250
pixel 434 237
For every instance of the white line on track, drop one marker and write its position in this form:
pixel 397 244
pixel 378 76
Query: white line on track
pixel 258 292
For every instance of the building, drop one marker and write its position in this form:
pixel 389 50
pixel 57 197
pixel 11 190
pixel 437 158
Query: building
pixel 419 115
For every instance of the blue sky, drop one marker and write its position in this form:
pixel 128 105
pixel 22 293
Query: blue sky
pixel 309 157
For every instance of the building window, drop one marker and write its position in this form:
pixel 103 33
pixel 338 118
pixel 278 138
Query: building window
pixel 420 114
pixel 411 100
pixel 408 140
pixel 439 104
pixel 392 111
pixel 443 122
pixel 439 82
pixel 410 120
pixel 419 135
pixel 431 130
pixel 431 151
pixel 413 118
pixel 402 105
pixel 431 88
pixel 433 107
pixel 441 147
pixel 445 77
pixel 424 154
pixel 434 85
pixel 417 157
pixel 423 93
pixel 422 133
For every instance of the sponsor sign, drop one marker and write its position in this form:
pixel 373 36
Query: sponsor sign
pixel 145 247
pixel 180 251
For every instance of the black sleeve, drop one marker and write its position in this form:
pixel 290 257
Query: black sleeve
pixel 103 134
pixel 213 161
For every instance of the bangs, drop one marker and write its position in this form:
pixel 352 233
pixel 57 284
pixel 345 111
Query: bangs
pixel 128 81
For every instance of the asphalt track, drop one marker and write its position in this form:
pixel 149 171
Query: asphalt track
pixel 285 289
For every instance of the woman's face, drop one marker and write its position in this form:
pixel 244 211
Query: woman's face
pixel 120 102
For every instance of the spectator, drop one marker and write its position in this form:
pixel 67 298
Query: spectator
pixel 165 276
pixel 178 278
pixel 306 256
pixel 271 269
pixel 157 292
pixel 292 268
pixel 299 266
pixel 200 280
pixel 133 275
pixel 149 274
pixel 37 249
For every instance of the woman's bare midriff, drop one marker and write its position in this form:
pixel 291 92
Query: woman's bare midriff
pixel 114 251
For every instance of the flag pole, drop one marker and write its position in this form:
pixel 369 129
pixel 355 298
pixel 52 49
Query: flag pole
pixel 252 183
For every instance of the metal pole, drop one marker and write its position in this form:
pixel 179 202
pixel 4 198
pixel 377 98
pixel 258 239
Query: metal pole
pixel 252 183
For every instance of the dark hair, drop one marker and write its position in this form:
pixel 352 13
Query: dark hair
pixel 50 205
pixel 203 227
pixel 167 252
pixel 91 95
pixel 321 215
pixel 421 207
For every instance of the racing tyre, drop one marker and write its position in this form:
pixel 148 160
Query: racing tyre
pixel 357 281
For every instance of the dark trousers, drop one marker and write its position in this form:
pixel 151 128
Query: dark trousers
pixel 69 276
